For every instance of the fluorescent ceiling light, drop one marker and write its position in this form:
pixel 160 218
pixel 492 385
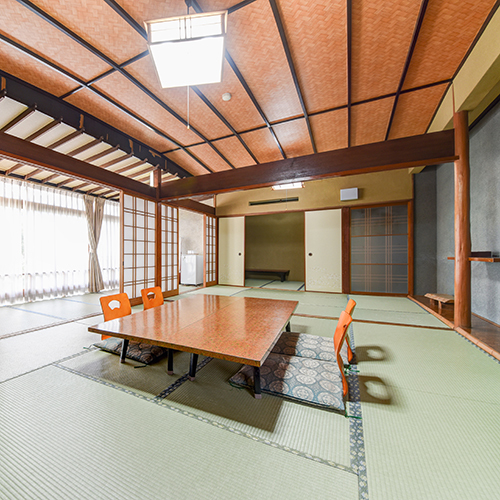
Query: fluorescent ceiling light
pixel 188 50
pixel 292 185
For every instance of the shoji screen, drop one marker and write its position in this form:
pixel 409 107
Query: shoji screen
pixel 138 245
pixel 379 249
pixel 169 249
pixel 210 250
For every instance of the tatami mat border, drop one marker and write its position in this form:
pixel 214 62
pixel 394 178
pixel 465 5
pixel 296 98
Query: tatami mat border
pixel 50 325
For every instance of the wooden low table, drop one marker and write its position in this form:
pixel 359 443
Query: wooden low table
pixel 441 298
pixel 282 273
pixel 239 329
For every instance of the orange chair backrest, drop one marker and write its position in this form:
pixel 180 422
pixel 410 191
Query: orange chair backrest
pixel 350 306
pixel 338 340
pixel 152 297
pixel 117 312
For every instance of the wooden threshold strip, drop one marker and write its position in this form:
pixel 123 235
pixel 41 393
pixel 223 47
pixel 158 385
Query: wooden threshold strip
pixel 479 326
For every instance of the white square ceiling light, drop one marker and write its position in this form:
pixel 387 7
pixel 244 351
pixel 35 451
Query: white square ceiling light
pixel 188 50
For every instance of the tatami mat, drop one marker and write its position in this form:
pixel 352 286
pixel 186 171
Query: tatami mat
pixel 398 304
pixel 285 285
pixel 313 326
pixel 218 290
pixel 23 353
pixel 134 376
pixel 430 403
pixel 288 424
pixel 254 282
pixel 127 448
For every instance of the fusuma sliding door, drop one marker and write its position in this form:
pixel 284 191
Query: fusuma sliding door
pixel 232 251
pixel 324 250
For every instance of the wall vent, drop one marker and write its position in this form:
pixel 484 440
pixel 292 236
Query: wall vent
pixel 270 202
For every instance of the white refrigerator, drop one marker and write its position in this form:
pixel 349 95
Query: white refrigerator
pixel 191 269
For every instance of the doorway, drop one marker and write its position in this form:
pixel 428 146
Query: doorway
pixel 275 242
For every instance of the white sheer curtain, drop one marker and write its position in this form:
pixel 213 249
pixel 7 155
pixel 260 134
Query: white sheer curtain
pixel 108 250
pixel 44 242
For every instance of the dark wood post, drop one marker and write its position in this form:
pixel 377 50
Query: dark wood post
pixel 462 222
pixel 158 249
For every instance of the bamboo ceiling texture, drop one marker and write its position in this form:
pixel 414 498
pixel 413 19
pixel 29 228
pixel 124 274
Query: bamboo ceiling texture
pixel 305 77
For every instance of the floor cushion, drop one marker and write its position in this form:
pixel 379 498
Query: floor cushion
pixel 311 381
pixel 305 345
pixel 138 351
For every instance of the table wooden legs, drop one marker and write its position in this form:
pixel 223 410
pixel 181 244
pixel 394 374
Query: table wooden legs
pixel 124 350
pixel 170 362
pixel 192 366
pixel 256 382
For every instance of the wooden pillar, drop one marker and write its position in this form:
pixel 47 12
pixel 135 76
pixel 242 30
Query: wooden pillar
pixel 158 249
pixel 462 222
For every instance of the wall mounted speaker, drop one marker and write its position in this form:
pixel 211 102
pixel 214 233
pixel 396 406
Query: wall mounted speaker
pixel 349 194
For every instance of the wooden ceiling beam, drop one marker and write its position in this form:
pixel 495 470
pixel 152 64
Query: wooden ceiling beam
pixel 19 118
pixel 291 66
pixel 193 205
pixel 44 130
pixel 38 156
pixel 411 50
pixel 427 149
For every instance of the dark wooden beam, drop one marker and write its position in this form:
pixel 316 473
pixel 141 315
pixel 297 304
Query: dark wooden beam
pixel 413 43
pixel 192 205
pixel 427 149
pixel 291 66
pixel 38 156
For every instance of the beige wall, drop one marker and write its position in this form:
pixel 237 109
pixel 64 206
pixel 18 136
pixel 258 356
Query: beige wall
pixel 276 241
pixel 378 187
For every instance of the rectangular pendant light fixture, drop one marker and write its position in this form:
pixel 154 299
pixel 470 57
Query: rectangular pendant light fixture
pixel 188 50
pixel 291 185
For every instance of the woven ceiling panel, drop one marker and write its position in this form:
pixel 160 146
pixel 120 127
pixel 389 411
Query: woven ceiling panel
pixel 255 45
pixel 96 22
pixel 93 104
pixel 330 130
pixel 30 30
pixel 415 110
pixel 369 121
pixel 200 115
pixel 234 151
pixel 28 69
pixel 209 157
pixel 381 37
pixel 448 30
pixel 232 110
pixel 148 10
pixel 189 164
pixel 317 38
pixel 262 145
pixel 129 95
pixel 294 138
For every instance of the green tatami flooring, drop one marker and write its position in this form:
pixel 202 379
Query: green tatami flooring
pixel 77 424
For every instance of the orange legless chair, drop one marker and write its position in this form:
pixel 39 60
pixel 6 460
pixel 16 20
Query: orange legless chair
pixel 349 309
pixel 124 309
pixel 152 297
pixel 338 340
